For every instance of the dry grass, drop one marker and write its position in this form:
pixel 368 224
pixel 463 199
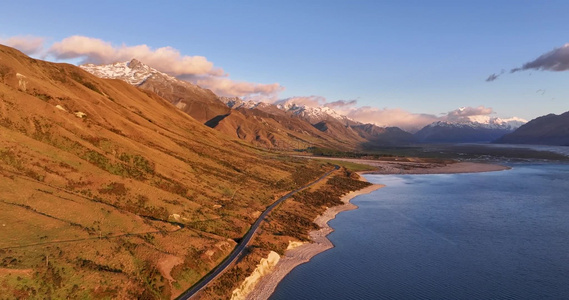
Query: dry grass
pixel 93 205
pixel 291 221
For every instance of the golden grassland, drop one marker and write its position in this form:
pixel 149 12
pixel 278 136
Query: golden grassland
pixel 108 191
pixel 291 221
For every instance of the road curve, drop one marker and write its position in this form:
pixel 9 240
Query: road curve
pixel 188 294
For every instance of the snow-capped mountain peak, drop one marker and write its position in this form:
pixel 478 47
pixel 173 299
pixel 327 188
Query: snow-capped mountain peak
pixel 236 102
pixel 480 128
pixel 133 72
pixel 309 113
pixel 313 114
pixel 484 122
pixel 494 122
pixel 513 122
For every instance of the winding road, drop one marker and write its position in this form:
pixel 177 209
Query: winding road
pixel 188 294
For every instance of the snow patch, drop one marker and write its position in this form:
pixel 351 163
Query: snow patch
pixel 483 122
pixel 313 114
pixel 236 102
pixel 134 72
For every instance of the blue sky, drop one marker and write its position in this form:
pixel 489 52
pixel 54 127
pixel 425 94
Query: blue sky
pixel 426 57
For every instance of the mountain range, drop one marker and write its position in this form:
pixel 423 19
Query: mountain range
pixel 288 125
pixel 201 104
pixel 466 131
pixel 124 174
pixel 281 125
pixel 103 183
pixel 545 130
pixel 118 189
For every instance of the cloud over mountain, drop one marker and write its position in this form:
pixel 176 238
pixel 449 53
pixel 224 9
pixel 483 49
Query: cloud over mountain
pixel 341 103
pixel 464 112
pixel 388 117
pixel 310 101
pixel 391 117
pixel 367 114
pixel 201 71
pixel 195 69
pixel 223 86
pixel 165 59
pixel 28 44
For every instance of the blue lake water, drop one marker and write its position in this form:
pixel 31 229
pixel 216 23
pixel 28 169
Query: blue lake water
pixel 499 235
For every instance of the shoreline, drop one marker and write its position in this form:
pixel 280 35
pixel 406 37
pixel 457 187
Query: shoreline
pixel 454 168
pixel 419 167
pixel 302 254
pixel 320 243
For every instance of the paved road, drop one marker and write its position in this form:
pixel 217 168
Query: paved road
pixel 243 243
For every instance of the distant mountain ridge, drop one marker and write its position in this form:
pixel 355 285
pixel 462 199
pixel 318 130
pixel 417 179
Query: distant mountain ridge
pixel 493 122
pixel 265 124
pixel 202 104
pixel 329 121
pixel 471 129
pixel 288 122
pixel 134 72
pixel 83 157
pixel 313 114
pixel 550 129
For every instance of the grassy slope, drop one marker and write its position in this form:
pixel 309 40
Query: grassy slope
pixel 279 131
pixel 291 221
pixel 105 205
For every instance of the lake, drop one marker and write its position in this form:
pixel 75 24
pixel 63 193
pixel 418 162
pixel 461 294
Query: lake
pixel 498 235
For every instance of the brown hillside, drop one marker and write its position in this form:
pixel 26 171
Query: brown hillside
pixel 199 103
pixel 337 129
pixel 270 131
pixel 104 187
pixel 298 131
pixel 262 124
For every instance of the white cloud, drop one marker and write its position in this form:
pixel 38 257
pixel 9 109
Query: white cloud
pixel 165 59
pixel 223 86
pixel 464 113
pixel 367 114
pixel 195 69
pixel 338 104
pixel 198 70
pixel 387 117
pixel 391 117
pixel 28 44
pixel 310 101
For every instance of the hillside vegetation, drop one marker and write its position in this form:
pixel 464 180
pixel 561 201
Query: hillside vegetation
pixel 106 188
pixel 290 222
